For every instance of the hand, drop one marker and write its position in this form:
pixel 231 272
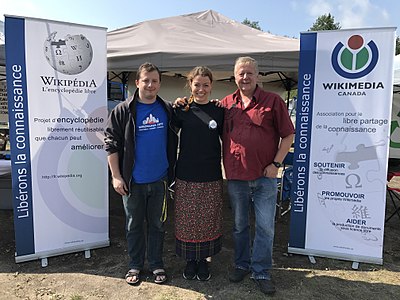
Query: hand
pixel 179 102
pixel 119 186
pixel 216 102
pixel 271 171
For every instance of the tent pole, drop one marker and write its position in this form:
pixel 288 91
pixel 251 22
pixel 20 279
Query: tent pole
pixel 288 98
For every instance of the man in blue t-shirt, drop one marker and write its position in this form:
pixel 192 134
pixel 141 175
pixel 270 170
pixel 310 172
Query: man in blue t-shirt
pixel 141 146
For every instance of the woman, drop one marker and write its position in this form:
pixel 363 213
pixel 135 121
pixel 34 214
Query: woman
pixel 198 187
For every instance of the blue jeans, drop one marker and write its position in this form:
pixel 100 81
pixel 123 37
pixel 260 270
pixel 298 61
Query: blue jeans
pixel 145 203
pixel 262 192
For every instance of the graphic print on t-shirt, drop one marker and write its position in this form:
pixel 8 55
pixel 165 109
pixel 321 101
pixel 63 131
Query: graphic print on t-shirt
pixel 151 123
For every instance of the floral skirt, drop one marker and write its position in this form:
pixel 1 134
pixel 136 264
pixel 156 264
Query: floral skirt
pixel 198 218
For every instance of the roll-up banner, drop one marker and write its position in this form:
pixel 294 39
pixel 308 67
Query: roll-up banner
pixel 57 105
pixel 342 144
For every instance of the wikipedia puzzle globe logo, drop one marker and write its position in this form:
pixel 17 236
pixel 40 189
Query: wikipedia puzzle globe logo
pixel 357 59
pixel 69 55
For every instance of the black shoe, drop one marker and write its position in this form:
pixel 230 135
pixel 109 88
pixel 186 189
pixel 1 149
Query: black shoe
pixel 203 274
pixel 238 275
pixel 266 286
pixel 190 271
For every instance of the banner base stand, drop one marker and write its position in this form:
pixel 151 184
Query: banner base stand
pixel 355 265
pixel 312 259
pixel 44 255
pixel 44 262
pixel 356 259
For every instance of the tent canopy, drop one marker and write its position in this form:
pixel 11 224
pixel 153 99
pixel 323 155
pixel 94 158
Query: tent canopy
pixel 177 44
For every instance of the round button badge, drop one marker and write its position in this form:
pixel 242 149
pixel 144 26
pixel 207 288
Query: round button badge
pixel 212 124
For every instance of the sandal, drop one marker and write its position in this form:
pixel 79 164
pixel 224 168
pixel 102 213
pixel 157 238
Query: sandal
pixel 132 277
pixel 160 276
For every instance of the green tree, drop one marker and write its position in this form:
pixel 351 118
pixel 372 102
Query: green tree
pixel 325 22
pixel 252 24
pixel 397 45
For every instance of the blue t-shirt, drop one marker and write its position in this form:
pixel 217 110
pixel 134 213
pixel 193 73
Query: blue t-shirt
pixel 151 161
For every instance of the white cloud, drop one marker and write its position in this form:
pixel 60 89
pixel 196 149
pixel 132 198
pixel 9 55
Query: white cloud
pixel 360 13
pixel 351 14
pixel 318 8
pixel 19 8
pixel 354 14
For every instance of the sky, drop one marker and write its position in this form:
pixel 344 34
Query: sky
pixel 284 17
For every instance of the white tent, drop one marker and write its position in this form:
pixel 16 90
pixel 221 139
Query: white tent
pixel 177 44
pixel 3 89
pixel 2 48
pixel 2 54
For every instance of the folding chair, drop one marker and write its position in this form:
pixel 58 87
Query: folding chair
pixel 394 194
pixel 285 185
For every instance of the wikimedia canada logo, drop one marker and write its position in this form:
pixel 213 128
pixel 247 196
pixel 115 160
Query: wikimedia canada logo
pixel 355 60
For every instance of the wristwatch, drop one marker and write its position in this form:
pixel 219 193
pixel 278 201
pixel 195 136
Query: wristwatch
pixel 277 164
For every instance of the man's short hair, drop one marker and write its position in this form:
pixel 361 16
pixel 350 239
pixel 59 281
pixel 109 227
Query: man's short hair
pixel 147 67
pixel 243 60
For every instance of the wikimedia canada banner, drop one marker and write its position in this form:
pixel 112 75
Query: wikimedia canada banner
pixel 56 89
pixel 342 144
